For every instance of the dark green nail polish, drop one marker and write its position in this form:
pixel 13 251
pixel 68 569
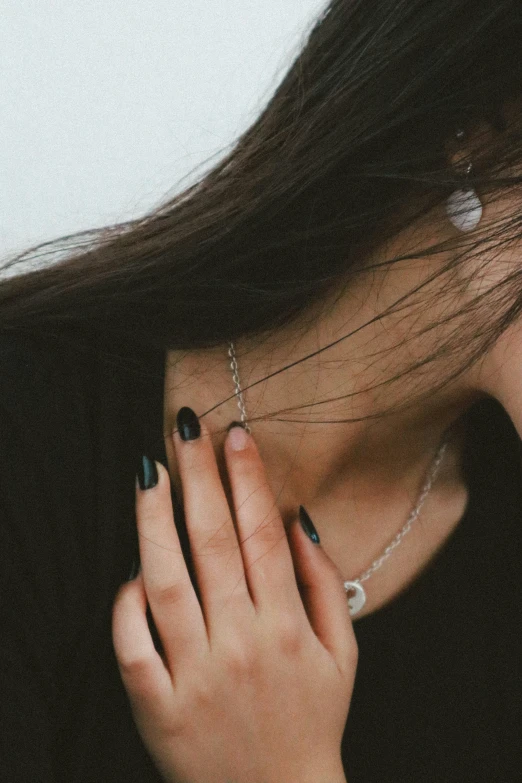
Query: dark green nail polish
pixel 308 525
pixel 188 424
pixel 135 569
pixel 147 473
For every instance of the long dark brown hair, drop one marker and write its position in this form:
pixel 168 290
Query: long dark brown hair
pixel 351 149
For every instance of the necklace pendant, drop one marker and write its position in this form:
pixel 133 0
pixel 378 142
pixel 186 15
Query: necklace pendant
pixel 356 596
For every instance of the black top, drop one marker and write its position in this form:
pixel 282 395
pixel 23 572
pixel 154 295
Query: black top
pixel 437 695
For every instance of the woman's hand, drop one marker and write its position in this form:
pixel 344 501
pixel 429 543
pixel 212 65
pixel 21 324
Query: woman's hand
pixel 255 679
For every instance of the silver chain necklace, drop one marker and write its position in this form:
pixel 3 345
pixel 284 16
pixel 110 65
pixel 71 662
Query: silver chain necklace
pixel 353 587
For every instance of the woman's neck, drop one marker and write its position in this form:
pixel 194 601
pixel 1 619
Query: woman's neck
pixel 316 424
pixel 357 480
pixel 319 427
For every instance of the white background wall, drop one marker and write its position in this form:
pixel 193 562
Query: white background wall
pixel 105 105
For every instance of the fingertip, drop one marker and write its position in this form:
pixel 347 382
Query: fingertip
pixel 238 439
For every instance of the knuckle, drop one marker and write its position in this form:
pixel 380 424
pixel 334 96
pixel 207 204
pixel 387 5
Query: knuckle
pixel 289 635
pixel 223 539
pixel 200 693
pixel 246 462
pixel 135 671
pixel 240 659
pixel 169 595
pixel 270 530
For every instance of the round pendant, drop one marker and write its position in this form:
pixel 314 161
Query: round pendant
pixel 357 599
pixel 464 209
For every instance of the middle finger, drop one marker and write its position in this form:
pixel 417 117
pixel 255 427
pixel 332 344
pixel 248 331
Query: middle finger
pixel 267 557
pixel 214 545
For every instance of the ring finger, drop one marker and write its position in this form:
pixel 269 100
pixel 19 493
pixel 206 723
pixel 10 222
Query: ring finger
pixel 173 602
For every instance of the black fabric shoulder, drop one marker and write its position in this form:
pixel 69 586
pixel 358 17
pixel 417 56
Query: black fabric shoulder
pixel 437 690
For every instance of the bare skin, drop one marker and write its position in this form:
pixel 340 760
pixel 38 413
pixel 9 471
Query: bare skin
pixel 358 481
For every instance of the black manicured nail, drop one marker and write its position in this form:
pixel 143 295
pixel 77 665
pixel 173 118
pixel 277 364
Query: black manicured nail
pixel 188 424
pixel 308 525
pixel 147 473
pixel 135 569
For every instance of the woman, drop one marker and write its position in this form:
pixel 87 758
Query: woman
pixel 329 591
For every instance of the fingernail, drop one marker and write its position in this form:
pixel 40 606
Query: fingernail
pixel 135 569
pixel 308 525
pixel 237 437
pixel 188 424
pixel 147 473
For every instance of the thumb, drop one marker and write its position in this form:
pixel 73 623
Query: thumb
pixel 322 590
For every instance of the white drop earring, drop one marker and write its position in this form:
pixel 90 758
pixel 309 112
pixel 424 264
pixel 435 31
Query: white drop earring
pixel 464 207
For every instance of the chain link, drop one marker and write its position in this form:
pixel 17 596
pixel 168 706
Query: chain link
pixel 238 392
pixel 411 519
